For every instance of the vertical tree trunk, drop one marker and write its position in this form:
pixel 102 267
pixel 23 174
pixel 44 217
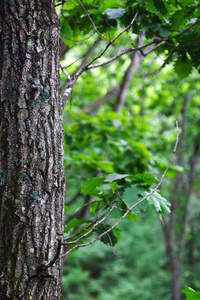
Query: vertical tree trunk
pixel 31 150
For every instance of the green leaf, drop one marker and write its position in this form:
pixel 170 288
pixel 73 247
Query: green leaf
pixel 144 178
pixel 132 195
pixel 160 203
pixel 132 217
pixel 159 4
pixel 183 68
pixel 163 31
pixel 114 13
pixel 108 239
pixel 114 176
pixel 191 294
pixel 105 191
pixel 74 223
pixel 90 186
pixel 67 207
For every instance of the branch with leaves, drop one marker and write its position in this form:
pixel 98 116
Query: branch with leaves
pixel 129 209
pixel 144 50
pixel 117 193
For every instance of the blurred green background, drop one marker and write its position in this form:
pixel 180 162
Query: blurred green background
pixel 138 136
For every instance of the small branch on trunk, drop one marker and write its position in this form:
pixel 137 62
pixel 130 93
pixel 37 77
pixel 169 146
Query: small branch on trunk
pixel 65 72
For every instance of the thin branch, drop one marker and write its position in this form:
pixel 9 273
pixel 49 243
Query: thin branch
pixel 108 29
pixel 131 24
pixel 125 29
pixel 85 54
pixel 184 46
pixel 111 42
pixel 125 51
pixel 89 65
pixel 121 198
pixel 132 207
pixel 92 21
pixel 111 245
pixel 77 41
pixel 89 53
pixel 61 3
pixel 78 233
pixel 179 34
pixel 65 72
pixel 155 47
pixel 163 41
pixel 58 4
pixel 93 228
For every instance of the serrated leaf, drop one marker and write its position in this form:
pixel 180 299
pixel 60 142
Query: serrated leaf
pixel 160 203
pixel 108 239
pixel 191 294
pixel 115 176
pixel 146 178
pixel 132 195
pixel 183 69
pixel 90 186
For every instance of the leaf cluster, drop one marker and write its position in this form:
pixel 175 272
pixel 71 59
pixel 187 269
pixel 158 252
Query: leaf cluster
pixel 113 197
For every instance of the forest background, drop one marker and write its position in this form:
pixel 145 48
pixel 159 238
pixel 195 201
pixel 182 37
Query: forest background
pixel 120 118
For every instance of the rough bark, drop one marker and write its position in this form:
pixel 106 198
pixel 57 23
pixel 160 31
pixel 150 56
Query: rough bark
pixel 31 150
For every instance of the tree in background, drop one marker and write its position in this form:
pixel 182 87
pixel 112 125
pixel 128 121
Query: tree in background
pixel 32 177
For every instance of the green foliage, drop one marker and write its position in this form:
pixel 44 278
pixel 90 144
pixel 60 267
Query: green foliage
pixel 95 272
pixel 90 186
pixel 191 294
pixel 115 192
pixel 158 19
pixel 106 146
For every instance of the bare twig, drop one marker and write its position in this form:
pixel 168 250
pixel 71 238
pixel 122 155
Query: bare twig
pixel 92 21
pixel 65 72
pixel 61 3
pixel 121 198
pixel 111 245
pixel 108 30
pixel 93 228
pixel 78 233
pixel 77 41
pixel 131 24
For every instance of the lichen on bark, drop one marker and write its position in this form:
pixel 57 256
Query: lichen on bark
pixel 31 150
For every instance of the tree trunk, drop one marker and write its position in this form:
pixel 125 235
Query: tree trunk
pixel 175 277
pixel 32 181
